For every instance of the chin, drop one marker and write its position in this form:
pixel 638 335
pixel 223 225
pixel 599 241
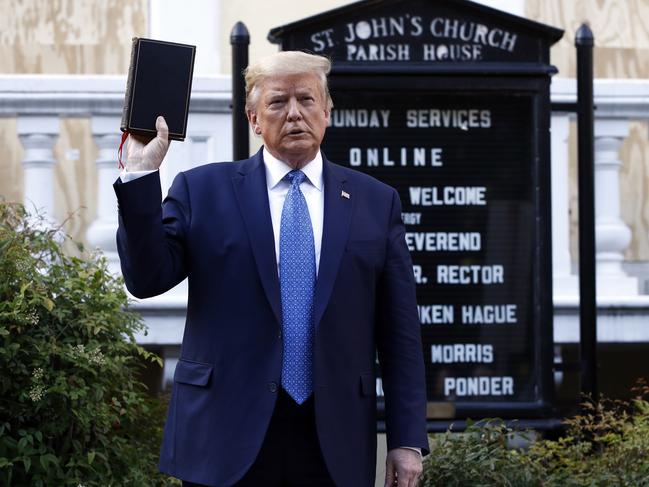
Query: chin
pixel 299 149
pixel 301 157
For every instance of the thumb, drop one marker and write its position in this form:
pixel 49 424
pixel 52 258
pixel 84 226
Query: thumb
pixel 162 129
pixel 154 152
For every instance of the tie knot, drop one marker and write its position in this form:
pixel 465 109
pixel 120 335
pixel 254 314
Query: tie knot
pixel 296 177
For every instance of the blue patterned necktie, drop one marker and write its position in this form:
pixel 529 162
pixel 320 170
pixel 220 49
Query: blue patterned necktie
pixel 297 284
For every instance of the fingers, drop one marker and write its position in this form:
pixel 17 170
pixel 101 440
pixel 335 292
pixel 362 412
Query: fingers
pixel 146 153
pixel 414 481
pixel 390 472
pixel 406 479
pixel 411 475
pixel 390 477
pixel 401 479
pixel 403 468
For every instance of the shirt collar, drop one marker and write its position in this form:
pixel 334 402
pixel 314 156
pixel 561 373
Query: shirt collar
pixel 276 170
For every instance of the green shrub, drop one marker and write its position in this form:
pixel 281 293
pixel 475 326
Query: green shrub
pixel 478 457
pixel 606 445
pixel 72 410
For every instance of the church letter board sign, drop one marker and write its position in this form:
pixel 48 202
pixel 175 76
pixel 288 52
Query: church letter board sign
pixel 448 102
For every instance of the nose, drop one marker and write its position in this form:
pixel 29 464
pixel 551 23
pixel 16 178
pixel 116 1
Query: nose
pixel 293 110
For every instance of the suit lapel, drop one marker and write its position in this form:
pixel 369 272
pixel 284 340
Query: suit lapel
pixel 337 217
pixel 252 196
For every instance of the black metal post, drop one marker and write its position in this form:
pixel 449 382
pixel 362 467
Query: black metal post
pixel 239 40
pixel 586 154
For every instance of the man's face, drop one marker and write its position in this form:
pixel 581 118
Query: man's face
pixel 291 116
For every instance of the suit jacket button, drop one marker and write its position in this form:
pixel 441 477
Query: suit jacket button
pixel 272 386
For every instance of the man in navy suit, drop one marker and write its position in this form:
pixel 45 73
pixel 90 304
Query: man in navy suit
pixel 298 274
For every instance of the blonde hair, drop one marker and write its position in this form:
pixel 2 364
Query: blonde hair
pixel 286 63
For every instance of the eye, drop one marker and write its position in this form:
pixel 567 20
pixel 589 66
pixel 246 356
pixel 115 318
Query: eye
pixel 275 102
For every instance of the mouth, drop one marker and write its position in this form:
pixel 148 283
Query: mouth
pixel 296 132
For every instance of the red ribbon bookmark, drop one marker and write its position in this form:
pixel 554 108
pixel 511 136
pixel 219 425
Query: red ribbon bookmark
pixel 119 151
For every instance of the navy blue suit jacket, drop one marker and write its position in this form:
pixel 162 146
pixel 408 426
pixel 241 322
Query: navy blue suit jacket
pixel 215 228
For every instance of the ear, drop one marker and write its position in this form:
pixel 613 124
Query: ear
pixel 327 115
pixel 252 119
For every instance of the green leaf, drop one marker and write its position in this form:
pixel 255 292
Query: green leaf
pixel 4 245
pixel 24 288
pixel 91 457
pixel 48 459
pixel 48 303
pixel 28 463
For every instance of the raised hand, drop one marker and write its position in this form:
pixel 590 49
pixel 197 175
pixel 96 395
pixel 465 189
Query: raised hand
pixel 146 153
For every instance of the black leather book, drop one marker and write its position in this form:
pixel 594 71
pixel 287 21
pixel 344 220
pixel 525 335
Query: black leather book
pixel 159 83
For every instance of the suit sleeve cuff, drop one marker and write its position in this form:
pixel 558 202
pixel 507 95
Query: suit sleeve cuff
pixel 418 450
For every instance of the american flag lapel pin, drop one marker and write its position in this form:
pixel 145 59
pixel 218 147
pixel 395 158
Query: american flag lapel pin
pixel 344 194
